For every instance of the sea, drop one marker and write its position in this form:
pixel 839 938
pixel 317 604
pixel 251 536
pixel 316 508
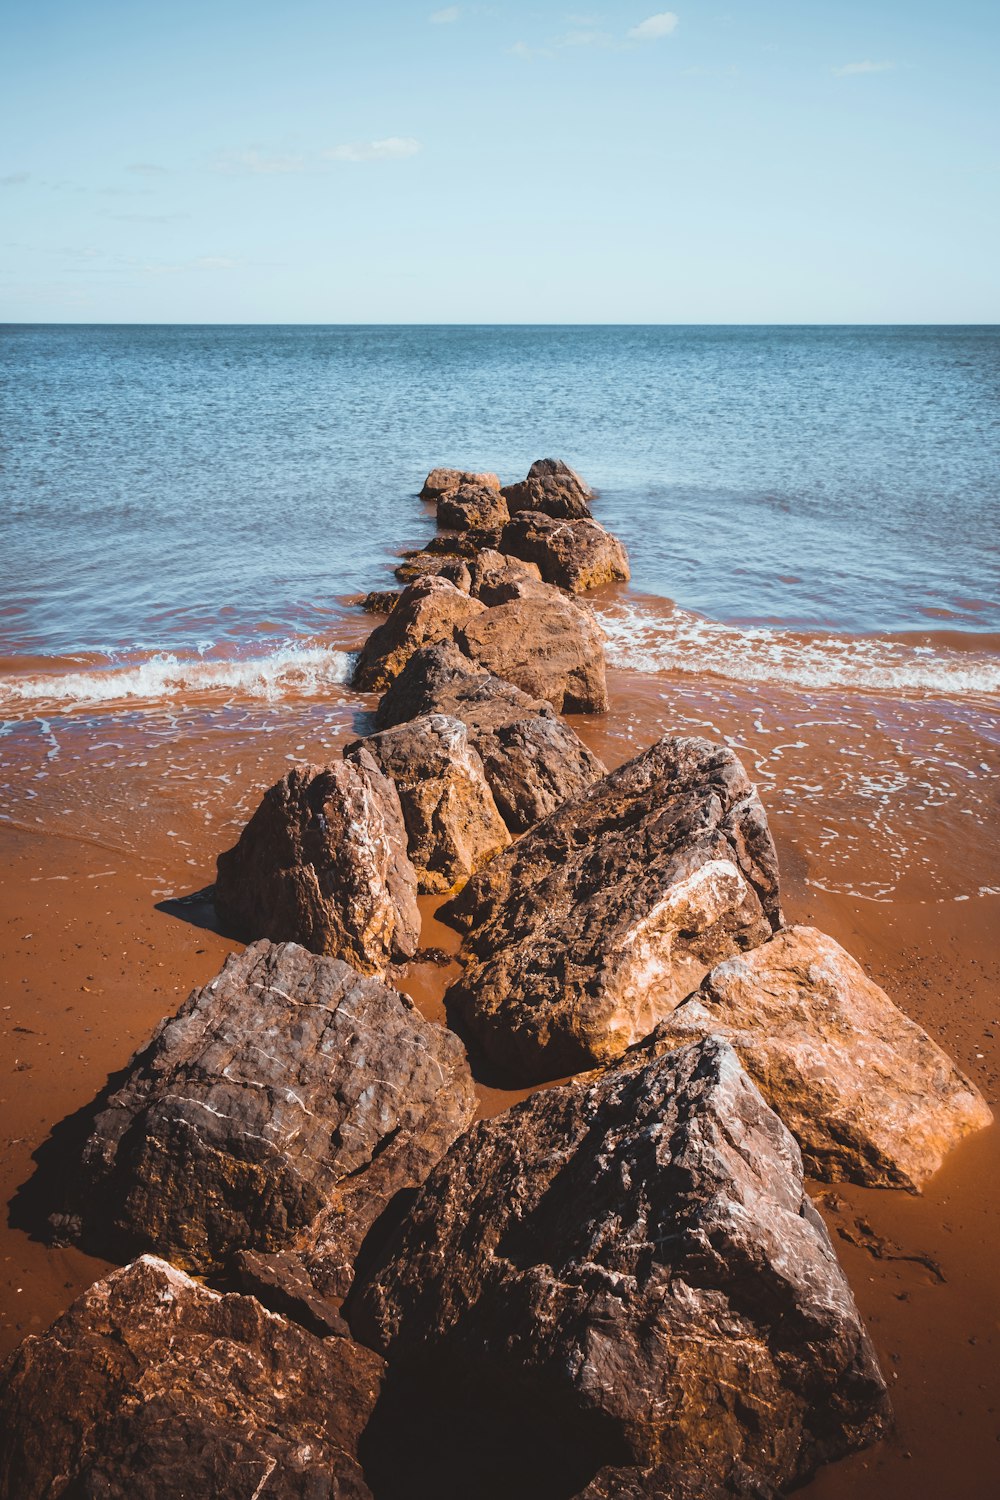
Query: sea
pixel 184 510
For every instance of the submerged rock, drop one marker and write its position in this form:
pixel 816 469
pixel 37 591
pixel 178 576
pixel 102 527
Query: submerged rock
pixel 533 760
pixel 865 1091
pixel 595 925
pixel 441 481
pixel 551 647
pixel 633 1267
pixel 284 1105
pixel 153 1386
pixel 323 862
pixel 452 822
pixel 427 610
pixel 551 488
pixel 574 555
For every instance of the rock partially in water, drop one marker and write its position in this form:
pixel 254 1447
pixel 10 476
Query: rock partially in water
pixel 551 488
pixel 472 507
pixel 574 555
pixel 532 758
pixel 285 1105
pixel 492 573
pixel 550 647
pixel 865 1091
pixel 441 481
pixel 323 862
pixel 153 1386
pixel 452 823
pixel 633 1266
pixel 594 926
pixel 428 610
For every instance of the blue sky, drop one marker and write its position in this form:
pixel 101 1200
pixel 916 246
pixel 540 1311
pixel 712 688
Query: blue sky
pixel 785 161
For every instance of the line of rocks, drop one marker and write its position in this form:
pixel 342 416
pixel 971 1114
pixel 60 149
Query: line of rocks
pixel 618 1287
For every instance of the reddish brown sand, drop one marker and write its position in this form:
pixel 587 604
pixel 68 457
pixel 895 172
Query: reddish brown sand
pixel 886 818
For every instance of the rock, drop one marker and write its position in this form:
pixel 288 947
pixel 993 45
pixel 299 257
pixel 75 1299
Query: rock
pixel 380 601
pixel 472 507
pixel 284 1106
pixel 452 823
pixel 153 1386
pixel 420 564
pixel 634 1268
pixel 595 925
pixel 551 488
pixel 323 862
pixel 868 1095
pixel 492 571
pixel 678 1481
pixel 550 647
pixel 574 555
pixel 440 481
pixel 427 610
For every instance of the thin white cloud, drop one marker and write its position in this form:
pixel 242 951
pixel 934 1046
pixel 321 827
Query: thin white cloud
pixel 446 16
pixel 864 67
pixel 653 27
pixel 393 148
pixel 256 162
pixel 216 262
pixel 146 169
pixel 13 179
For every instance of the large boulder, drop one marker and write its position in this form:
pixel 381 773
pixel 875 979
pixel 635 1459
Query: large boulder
pixel 323 862
pixel 287 1102
pixel 574 555
pixel 452 822
pixel 153 1386
pixel 551 488
pixel 595 925
pixel 441 481
pixel 496 579
pixel 472 507
pixel 551 647
pixel 865 1091
pixel 429 609
pixel 633 1269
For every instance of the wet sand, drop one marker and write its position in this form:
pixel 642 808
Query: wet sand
pixel 886 813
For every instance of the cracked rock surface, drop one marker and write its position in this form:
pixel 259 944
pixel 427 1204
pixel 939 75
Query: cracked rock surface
pixel 427 610
pixel 574 554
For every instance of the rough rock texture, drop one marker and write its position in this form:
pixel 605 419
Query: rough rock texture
pixel 551 647
pixel 636 1263
pixel 440 481
pixel 865 1091
pixel 452 823
pixel 574 555
pixel 323 862
pixel 427 610
pixel 533 760
pixel 551 488
pixel 380 601
pixel 472 507
pixel 152 1386
pixel 419 564
pixel 492 572
pixel 679 1481
pixel 283 1106
pixel 595 925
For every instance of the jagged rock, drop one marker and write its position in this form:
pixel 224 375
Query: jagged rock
pixel 153 1386
pixel 440 481
pixel 533 760
pixel 283 1106
pixel 551 488
pixel 452 823
pixel 380 601
pixel 678 1481
pixel 491 573
pixel 865 1091
pixel 427 610
pixel 634 1266
pixel 472 507
pixel 323 862
pixel 574 555
pixel 420 564
pixel 551 647
pixel 595 925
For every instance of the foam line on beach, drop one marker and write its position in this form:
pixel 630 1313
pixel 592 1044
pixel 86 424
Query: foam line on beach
pixel 289 671
pixel 671 639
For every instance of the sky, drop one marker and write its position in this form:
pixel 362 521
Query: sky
pixel 787 161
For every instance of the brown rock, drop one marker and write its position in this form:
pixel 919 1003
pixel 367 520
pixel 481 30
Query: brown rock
pixel 440 481
pixel 380 601
pixel 152 1386
pixel 420 564
pixel 550 647
pixel 323 862
pixel 284 1106
pixel 533 760
pixel 634 1268
pixel 427 610
pixel 491 569
pixel 595 925
pixel 472 507
pixel 551 488
pixel 452 823
pixel 574 555
pixel 865 1091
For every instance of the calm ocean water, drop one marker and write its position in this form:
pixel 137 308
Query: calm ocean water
pixel 815 502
